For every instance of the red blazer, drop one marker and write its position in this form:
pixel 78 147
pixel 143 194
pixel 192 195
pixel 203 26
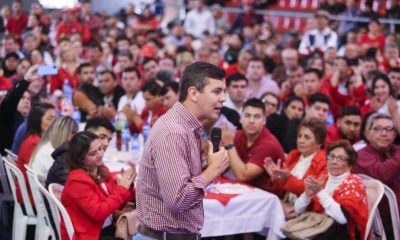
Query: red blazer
pixel 88 205
pixel 316 169
pixel 57 81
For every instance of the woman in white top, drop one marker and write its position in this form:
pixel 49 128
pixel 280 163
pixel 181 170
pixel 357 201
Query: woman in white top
pixel 60 131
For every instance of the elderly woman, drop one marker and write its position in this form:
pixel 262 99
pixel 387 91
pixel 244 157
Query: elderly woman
pixel 341 196
pixel 307 160
pixel 91 195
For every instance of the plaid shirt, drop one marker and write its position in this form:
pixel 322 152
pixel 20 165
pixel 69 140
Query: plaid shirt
pixel 169 186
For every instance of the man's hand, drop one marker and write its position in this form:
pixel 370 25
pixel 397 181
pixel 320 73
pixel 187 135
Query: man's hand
pixel 218 162
pixel 227 136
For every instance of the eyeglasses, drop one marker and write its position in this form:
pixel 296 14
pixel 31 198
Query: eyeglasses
pixel 332 157
pixel 381 129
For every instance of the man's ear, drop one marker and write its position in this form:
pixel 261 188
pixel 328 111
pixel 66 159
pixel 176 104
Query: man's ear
pixel 193 94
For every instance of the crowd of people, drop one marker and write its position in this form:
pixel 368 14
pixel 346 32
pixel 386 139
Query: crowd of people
pixel 301 114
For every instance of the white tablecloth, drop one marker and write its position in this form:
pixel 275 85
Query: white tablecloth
pixel 253 211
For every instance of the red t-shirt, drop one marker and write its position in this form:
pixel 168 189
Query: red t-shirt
pixel 5 83
pixel 266 145
pixel 57 81
pixel 378 42
pixel 15 25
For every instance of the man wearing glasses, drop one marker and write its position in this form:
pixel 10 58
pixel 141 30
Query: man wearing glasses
pixel 380 159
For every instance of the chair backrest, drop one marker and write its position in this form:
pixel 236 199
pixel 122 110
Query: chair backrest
pixel 14 175
pixel 3 178
pixel 374 189
pixel 11 156
pixel 55 190
pixel 394 211
pixel 39 195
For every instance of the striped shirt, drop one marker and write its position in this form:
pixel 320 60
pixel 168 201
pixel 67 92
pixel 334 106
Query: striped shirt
pixel 170 189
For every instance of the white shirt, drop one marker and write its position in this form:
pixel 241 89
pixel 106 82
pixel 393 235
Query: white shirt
pixel 43 161
pixel 197 22
pixel 137 103
pixel 229 104
pixel 321 40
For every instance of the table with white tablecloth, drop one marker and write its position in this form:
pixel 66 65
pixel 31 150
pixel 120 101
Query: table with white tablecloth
pixel 254 210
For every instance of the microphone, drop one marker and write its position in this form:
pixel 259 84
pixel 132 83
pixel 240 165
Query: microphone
pixel 216 138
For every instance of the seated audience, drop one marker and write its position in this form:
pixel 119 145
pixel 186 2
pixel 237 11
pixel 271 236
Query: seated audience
pixel 341 195
pixel 246 148
pixel 91 194
pixel 59 132
pixel 169 94
pixel 347 126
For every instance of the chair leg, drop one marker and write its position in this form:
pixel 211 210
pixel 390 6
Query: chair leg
pixel 19 223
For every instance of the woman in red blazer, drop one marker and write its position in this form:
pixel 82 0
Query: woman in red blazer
pixel 307 160
pixel 90 194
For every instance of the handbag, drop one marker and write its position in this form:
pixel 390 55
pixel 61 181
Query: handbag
pixel 126 225
pixel 307 226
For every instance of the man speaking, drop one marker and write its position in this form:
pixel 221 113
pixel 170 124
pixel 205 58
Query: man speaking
pixel 171 182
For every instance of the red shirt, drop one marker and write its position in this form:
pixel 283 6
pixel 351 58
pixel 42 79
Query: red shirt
pixel 64 29
pixel 266 145
pixel 145 115
pixel 16 25
pixel 378 42
pixel 57 81
pixel 25 152
pixel 5 83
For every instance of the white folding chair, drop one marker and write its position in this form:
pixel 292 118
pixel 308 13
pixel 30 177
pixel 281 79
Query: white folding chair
pixel 21 219
pixel 374 189
pixel 5 195
pixel 44 230
pixel 394 211
pixel 11 156
pixel 55 190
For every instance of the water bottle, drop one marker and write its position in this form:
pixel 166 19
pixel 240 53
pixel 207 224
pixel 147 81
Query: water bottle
pixel 120 121
pixel 329 119
pixel 76 115
pixel 135 147
pixel 67 108
pixel 67 90
pixel 146 131
pixel 126 137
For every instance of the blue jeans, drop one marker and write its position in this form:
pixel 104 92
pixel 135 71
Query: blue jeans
pixel 139 236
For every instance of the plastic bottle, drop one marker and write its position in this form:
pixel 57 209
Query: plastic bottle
pixel 67 108
pixel 67 89
pixel 146 131
pixel 329 119
pixel 120 122
pixel 135 147
pixel 76 115
pixel 126 137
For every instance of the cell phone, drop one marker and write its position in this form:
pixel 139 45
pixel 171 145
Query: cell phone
pixel 47 70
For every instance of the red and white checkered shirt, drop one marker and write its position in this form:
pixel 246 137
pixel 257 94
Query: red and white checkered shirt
pixel 170 189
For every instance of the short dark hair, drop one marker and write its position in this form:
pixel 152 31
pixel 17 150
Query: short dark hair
pixel 165 76
pixel 152 87
pixel 291 99
pixel 126 54
pixel 256 103
pixel 257 59
pixel 132 69
pixel 394 69
pixel 147 60
pixel 34 121
pixel 109 72
pixel 236 77
pixel 318 97
pixel 174 86
pixel 348 148
pixel 94 123
pixel 315 71
pixel 349 111
pixel 84 65
pixel 316 127
pixel 196 75
pixel 95 45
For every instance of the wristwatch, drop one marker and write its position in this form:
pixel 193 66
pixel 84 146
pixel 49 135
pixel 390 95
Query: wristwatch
pixel 229 146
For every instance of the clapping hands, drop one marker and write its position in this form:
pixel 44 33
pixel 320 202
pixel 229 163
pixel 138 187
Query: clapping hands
pixel 313 185
pixel 278 171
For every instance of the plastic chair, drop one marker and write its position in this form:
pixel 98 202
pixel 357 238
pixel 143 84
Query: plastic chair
pixel 375 190
pixel 394 211
pixel 55 190
pixel 11 156
pixel 44 230
pixel 21 219
pixel 6 195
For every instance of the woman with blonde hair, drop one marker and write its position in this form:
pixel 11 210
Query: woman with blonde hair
pixel 67 63
pixel 59 132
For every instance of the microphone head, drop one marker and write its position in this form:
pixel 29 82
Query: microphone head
pixel 216 138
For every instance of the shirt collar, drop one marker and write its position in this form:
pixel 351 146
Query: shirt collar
pixel 190 120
